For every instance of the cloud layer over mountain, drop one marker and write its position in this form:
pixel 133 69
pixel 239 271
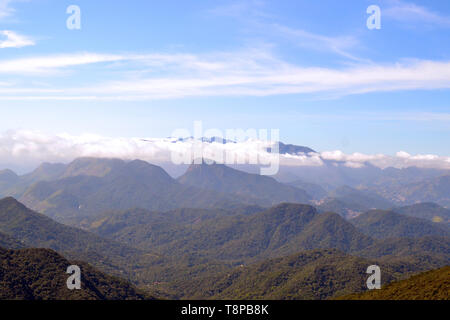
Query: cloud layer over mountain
pixel 27 149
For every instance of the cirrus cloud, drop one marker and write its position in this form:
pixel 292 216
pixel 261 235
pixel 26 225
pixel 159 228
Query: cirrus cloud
pixel 412 13
pixel 249 73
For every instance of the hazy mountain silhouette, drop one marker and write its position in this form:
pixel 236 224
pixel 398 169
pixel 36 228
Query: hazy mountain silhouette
pixel 221 178
pixel 9 242
pixel 315 190
pixel 428 210
pixel 389 224
pixel 91 186
pixel 436 189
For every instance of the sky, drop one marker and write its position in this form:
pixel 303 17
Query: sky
pixel 312 69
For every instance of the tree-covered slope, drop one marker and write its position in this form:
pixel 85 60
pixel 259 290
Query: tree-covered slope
pixel 221 178
pixel 9 242
pixel 283 229
pixel 431 285
pixel 429 211
pixel 437 246
pixel 389 224
pixel 38 231
pixel 311 275
pixel 40 274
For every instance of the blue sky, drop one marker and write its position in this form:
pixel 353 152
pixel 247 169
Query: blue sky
pixel 309 68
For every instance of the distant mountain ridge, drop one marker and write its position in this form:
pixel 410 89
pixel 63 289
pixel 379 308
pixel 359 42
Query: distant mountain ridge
pixel 282 148
pixel 390 184
pixel 436 189
pixel 389 224
pixel 91 186
pixel 427 210
pixel 221 178
pixel 282 229
pixel 292 149
pixel 350 202
pixel 315 190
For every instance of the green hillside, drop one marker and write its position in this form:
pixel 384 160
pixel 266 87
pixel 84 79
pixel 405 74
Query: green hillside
pixel 436 190
pixel 431 285
pixel 428 211
pixel 389 224
pixel 38 231
pixel 361 198
pixel 221 178
pixel 281 230
pixel 40 274
pixel 9 242
pixel 311 275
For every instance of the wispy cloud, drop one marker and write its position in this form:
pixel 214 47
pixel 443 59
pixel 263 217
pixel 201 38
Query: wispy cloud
pixel 254 16
pixel 340 45
pixel 411 116
pixel 51 64
pixel 5 9
pixel 249 73
pixel 243 9
pixel 412 13
pixel 14 40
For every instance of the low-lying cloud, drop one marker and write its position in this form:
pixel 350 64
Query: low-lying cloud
pixel 28 149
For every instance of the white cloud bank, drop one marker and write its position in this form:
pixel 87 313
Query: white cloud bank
pixel 29 149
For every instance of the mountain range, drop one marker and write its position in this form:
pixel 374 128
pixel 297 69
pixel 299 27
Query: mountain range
pixel 162 251
pixel 89 186
pixel 435 189
pixel 220 178
pixel 283 229
pixel 216 232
